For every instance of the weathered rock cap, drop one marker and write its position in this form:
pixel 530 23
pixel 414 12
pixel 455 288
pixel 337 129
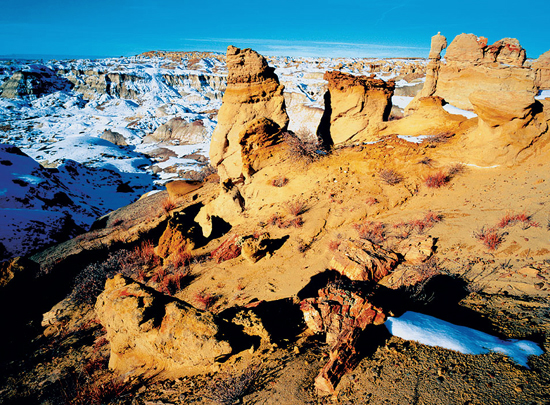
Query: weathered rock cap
pixel 439 42
pixel 342 81
pixel 499 107
pixel 247 66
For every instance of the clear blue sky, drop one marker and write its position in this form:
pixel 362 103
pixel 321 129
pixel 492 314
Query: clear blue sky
pixel 360 28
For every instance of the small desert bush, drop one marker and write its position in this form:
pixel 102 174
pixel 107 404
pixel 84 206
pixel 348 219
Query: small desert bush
pixel 145 253
pixel 418 225
pixel 302 149
pixel 426 161
pixel 490 237
pixel 84 389
pixel 456 169
pixel 172 283
pixel 279 181
pixel 390 177
pixel 439 138
pixel 230 388
pixel 374 232
pixel 295 207
pixel 437 180
pixel 511 219
pixel 333 245
pixel 371 201
pixel 168 205
pixel 180 258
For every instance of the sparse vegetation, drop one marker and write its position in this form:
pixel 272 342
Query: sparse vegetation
pixel 204 299
pixel 374 232
pixel 230 388
pixel 390 177
pixel 302 149
pixel 511 219
pixel 168 205
pixel 295 207
pixel 371 201
pixel 437 180
pixel 490 237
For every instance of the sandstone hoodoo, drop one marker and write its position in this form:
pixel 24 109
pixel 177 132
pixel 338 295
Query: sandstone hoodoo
pixel 253 92
pixel 354 106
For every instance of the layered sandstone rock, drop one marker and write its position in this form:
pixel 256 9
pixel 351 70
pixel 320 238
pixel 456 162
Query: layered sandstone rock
pixel 253 91
pixel 149 332
pixel 542 71
pixel 509 124
pixel 114 137
pixel 354 106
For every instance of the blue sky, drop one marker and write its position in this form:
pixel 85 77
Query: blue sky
pixel 295 28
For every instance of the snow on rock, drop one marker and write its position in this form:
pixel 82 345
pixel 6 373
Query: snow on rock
pixel 431 331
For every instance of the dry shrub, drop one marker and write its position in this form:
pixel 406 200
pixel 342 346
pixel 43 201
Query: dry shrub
pixel 426 161
pixel 168 205
pixel 85 390
pixel 437 180
pixel 390 177
pixel 374 232
pixel 173 283
pixel 180 258
pixel 490 237
pixel 333 245
pixel 279 181
pixel 230 388
pixel 302 149
pixel 418 225
pixel 145 252
pixel 456 169
pixel 511 219
pixel 439 138
pixel 296 207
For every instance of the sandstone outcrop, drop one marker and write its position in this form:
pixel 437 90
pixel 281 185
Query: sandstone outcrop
pixel 179 188
pixel 180 235
pixel 354 106
pixel 149 332
pixel 177 129
pixel 473 65
pixel 509 123
pixel 253 91
pixel 541 66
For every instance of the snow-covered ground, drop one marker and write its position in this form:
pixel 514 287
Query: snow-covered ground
pixel 432 331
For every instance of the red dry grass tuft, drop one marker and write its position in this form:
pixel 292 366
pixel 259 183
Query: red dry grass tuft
pixel 205 300
pixel 437 180
pixel 371 231
pixel 490 237
pixel 173 283
pixel 145 253
pixel 457 168
pixel 180 258
pixel 159 275
pixel 523 218
pixel 333 245
pixel 168 205
pixel 297 207
pixel 275 219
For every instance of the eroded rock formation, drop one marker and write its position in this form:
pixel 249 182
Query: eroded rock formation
pixel 473 65
pixel 253 92
pixel 177 129
pixel 542 71
pixel 354 106
pixel 150 332
pixel 509 124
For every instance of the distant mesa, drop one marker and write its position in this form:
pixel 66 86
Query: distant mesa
pixel 34 83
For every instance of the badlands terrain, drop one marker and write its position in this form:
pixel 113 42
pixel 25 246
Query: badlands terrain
pixel 200 228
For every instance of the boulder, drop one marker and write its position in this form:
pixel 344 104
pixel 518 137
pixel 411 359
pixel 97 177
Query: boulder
pixel 150 332
pixel 253 91
pixel 466 48
pixel 179 188
pixel 114 137
pixel 180 235
pixel 356 105
pixel 253 247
